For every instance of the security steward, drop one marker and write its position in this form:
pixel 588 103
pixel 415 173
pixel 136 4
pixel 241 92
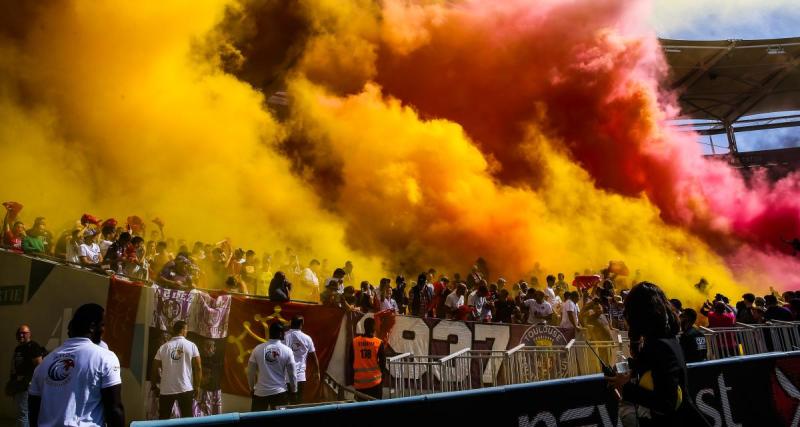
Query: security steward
pixel 368 360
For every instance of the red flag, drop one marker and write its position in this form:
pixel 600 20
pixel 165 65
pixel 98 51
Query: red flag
pixel 121 308
pixel 584 282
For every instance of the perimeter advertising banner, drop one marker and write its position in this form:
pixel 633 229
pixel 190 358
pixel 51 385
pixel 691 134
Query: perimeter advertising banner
pixel 746 391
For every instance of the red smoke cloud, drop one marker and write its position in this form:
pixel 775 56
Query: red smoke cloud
pixel 581 74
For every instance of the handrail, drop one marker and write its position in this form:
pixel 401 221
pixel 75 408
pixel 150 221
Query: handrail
pixel 341 386
pixel 399 356
pixel 515 349
pixel 569 345
pixel 456 354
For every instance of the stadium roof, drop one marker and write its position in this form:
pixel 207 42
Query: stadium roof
pixel 722 81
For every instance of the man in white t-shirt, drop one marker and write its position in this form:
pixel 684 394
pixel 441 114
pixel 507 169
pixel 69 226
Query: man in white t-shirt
pixel 309 277
pixel 455 300
pixel 304 354
pixel 89 252
pixel 570 311
pixel 539 310
pixel 270 364
pixel 549 292
pixel 177 372
pixel 78 383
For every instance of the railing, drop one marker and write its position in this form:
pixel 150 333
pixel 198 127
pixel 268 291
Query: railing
pixel 734 341
pixel 412 375
pixel 533 363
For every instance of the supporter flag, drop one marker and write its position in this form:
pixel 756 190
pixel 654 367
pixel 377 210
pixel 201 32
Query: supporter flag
pixel 247 327
pixel 121 309
pixel 207 320
pixel 585 282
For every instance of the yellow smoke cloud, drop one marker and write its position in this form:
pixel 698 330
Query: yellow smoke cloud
pixel 109 109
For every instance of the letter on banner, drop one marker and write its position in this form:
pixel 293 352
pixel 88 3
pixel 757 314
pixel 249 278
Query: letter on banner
pixel 463 339
pixel 501 335
pixel 410 335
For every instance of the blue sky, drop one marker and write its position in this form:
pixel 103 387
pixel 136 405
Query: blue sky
pixel 733 19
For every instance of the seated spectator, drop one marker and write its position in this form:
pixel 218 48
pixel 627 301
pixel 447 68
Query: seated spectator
pixel 89 254
pixel 775 311
pixel 279 288
pixel 693 342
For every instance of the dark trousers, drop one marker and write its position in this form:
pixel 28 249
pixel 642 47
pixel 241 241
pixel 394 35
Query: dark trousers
pixel 376 392
pixel 265 403
pixel 296 398
pixel 165 402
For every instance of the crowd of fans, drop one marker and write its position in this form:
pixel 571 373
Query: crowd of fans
pixel 590 303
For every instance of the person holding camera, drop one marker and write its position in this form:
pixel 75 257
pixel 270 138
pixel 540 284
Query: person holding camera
pixel 654 389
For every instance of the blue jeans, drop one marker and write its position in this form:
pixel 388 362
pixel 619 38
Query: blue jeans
pixel 21 401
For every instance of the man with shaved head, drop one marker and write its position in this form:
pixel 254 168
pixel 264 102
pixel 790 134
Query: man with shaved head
pixel 27 355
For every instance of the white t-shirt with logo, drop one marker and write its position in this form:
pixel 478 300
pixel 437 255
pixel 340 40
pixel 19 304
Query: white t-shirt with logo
pixel 536 311
pixel 566 307
pixel 69 381
pixel 549 295
pixel 91 251
pixel 301 344
pixel 176 365
pixel 454 301
pixel 275 363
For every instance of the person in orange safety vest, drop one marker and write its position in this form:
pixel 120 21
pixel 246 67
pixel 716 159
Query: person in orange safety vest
pixel 368 361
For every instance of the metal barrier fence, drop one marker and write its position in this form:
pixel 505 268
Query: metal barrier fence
pixel 734 341
pixel 530 363
pixel 412 375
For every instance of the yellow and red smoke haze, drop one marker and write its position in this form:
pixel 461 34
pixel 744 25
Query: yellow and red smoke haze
pixel 417 134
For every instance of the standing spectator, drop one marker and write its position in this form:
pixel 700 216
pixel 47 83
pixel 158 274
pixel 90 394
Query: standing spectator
pixel 303 349
pixel 108 235
pixel 368 360
pixel 115 253
pixel 279 288
pixel 33 245
pixel 521 289
pixel 473 278
pixel 177 274
pixel 549 292
pixel 248 271
pixel 367 299
pixel 387 302
pixel 539 310
pixel 399 294
pixel 310 279
pixel 421 297
pixel 455 303
pixel 40 230
pixel 270 365
pixel 178 373
pixel 438 296
pixel 654 325
pixel 72 247
pixel 570 311
pixel 744 312
pixel 719 315
pixel 480 304
pixel 27 355
pixel 78 383
pixel 693 342
pixel 349 278
pixel 775 311
pixel 337 280
pixel 89 254
pixel 505 309
pixel 561 285
pixel 13 235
